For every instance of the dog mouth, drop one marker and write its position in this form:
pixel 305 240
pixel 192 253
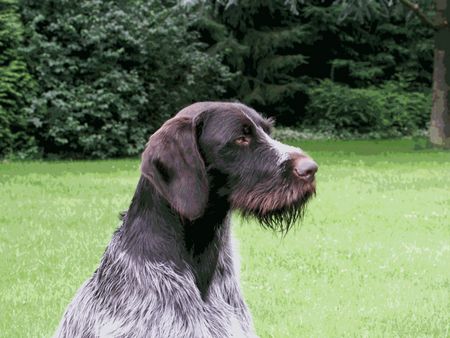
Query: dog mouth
pixel 278 209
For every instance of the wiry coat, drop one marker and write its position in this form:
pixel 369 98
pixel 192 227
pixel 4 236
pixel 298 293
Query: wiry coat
pixel 170 269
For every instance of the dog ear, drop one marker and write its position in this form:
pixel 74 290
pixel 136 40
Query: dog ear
pixel 172 162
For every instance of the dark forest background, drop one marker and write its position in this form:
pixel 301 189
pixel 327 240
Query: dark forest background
pixel 93 79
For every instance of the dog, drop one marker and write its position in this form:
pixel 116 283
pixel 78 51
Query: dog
pixel 170 268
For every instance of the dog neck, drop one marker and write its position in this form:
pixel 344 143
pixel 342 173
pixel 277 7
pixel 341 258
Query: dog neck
pixel 150 224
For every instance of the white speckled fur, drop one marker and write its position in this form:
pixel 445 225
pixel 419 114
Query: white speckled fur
pixel 154 293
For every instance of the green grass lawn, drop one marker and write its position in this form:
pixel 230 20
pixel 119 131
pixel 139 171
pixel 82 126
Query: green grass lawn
pixel 370 259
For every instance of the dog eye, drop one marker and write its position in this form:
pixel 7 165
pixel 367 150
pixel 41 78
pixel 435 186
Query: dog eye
pixel 246 130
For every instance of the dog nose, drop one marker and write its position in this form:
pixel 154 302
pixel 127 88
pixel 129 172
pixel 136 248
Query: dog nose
pixel 305 168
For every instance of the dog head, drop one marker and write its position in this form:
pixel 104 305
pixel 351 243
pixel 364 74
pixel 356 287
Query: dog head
pixel 260 176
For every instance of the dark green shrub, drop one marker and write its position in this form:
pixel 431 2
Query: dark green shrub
pixel 15 86
pixel 110 72
pixel 280 53
pixel 387 110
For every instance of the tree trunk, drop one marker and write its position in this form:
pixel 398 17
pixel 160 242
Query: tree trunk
pixel 440 112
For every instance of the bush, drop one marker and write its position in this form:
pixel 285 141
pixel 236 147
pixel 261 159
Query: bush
pixel 286 134
pixel 279 53
pixel 15 84
pixel 388 110
pixel 110 72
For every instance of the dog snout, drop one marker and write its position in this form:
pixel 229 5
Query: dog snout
pixel 304 168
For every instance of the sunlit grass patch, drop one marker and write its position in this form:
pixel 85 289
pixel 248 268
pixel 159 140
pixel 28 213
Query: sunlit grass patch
pixel 371 257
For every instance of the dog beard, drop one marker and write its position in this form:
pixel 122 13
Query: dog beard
pixel 278 209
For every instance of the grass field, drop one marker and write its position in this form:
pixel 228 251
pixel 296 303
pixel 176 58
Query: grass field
pixel 370 259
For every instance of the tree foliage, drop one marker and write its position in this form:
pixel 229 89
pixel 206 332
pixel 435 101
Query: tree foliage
pixel 281 51
pixel 95 78
pixel 15 85
pixel 110 72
